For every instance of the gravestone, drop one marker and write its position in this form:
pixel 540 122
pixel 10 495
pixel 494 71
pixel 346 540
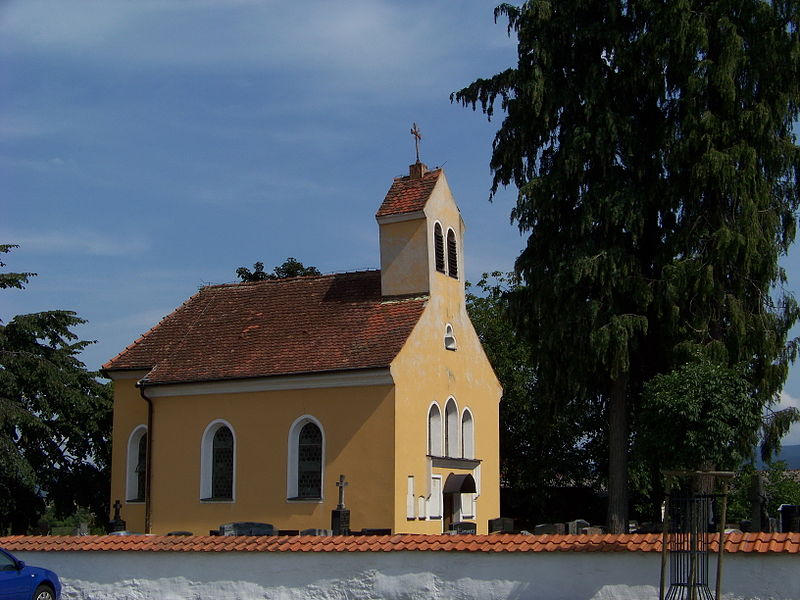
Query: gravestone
pixel 319 532
pixel 550 529
pixel 501 525
pixel 465 527
pixel 246 528
pixel 117 524
pixel 340 516
pixel 577 526
pixel 593 531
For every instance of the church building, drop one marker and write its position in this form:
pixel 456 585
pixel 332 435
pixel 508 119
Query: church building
pixel 250 400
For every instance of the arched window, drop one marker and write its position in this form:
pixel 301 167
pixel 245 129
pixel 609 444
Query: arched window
pixel 218 457
pixel 449 338
pixel 306 457
pixel 438 247
pixel 451 428
pixel 467 435
pixel 137 465
pixel 452 254
pixel 434 431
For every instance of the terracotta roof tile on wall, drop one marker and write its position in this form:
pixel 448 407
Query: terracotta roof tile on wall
pixel 408 195
pixel 784 543
pixel 275 327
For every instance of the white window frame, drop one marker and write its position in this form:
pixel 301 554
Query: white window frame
pixel 435 500
pixel 452 423
pixel 293 459
pixel 467 437
pixel 449 338
pixel 206 459
pixel 411 501
pixel 455 252
pixel 435 437
pixel 131 479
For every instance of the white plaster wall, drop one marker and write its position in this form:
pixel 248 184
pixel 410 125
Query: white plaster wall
pixel 396 575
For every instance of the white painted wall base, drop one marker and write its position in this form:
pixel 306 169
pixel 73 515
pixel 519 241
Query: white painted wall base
pixel 399 575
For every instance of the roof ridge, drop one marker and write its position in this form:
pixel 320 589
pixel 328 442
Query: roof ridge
pixel 277 280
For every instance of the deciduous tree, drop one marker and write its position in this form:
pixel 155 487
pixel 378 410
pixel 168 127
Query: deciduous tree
pixel 291 267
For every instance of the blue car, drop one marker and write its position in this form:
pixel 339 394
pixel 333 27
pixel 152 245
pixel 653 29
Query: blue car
pixel 18 581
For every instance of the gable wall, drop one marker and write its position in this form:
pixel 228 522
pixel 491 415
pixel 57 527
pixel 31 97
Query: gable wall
pixel 426 372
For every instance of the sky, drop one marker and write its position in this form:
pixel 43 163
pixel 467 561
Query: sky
pixel 150 147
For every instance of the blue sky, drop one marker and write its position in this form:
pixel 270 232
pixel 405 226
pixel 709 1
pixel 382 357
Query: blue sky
pixel 149 147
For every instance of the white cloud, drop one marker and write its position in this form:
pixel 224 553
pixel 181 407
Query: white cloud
pixel 78 242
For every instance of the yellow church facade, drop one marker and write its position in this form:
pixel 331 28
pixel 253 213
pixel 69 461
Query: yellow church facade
pixel 250 400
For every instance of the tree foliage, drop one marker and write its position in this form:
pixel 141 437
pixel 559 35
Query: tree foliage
pixel 539 447
pixel 701 415
pixel 652 147
pixel 55 419
pixel 291 267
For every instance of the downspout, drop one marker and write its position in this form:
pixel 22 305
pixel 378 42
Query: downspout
pixel 148 475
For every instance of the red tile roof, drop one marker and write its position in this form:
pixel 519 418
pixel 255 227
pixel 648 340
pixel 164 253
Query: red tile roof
pixel 785 543
pixel 408 195
pixel 276 327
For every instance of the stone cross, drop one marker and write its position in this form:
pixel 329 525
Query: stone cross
pixel 417 137
pixel 341 484
pixel 117 507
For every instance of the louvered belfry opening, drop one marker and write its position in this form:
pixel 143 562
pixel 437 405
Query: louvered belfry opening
pixel 452 255
pixel 438 244
pixel 309 464
pixel 222 465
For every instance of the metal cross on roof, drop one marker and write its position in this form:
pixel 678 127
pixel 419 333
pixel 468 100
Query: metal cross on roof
pixel 417 137
pixel 341 484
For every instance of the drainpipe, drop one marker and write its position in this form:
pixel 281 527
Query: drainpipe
pixel 148 476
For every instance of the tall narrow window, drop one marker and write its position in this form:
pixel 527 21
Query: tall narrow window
pixel 218 462
pixel 435 431
pixel 141 468
pixel 451 428
pixel 438 246
pixel 305 474
pixel 309 464
pixel 136 465
pixel 467 435
pixel 452 254
pixel 222 465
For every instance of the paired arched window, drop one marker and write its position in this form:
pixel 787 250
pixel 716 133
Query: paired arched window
pixel 306 457
pixel 434 430
pixel 452 254
pixel 451 428
pixel 467 435
pixel 137 465
pixel 218 455
pixel 438 247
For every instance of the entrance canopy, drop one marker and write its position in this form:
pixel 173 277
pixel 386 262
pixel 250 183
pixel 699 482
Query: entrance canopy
pixel 459 484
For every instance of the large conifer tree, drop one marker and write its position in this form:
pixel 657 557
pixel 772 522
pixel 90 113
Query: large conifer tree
pixel 652 146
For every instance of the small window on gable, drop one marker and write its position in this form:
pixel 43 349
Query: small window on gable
pixel 452 254
pixel 435 431
pixel 137 465
pixel 449 338
pixel 438 247
pixel 218 451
